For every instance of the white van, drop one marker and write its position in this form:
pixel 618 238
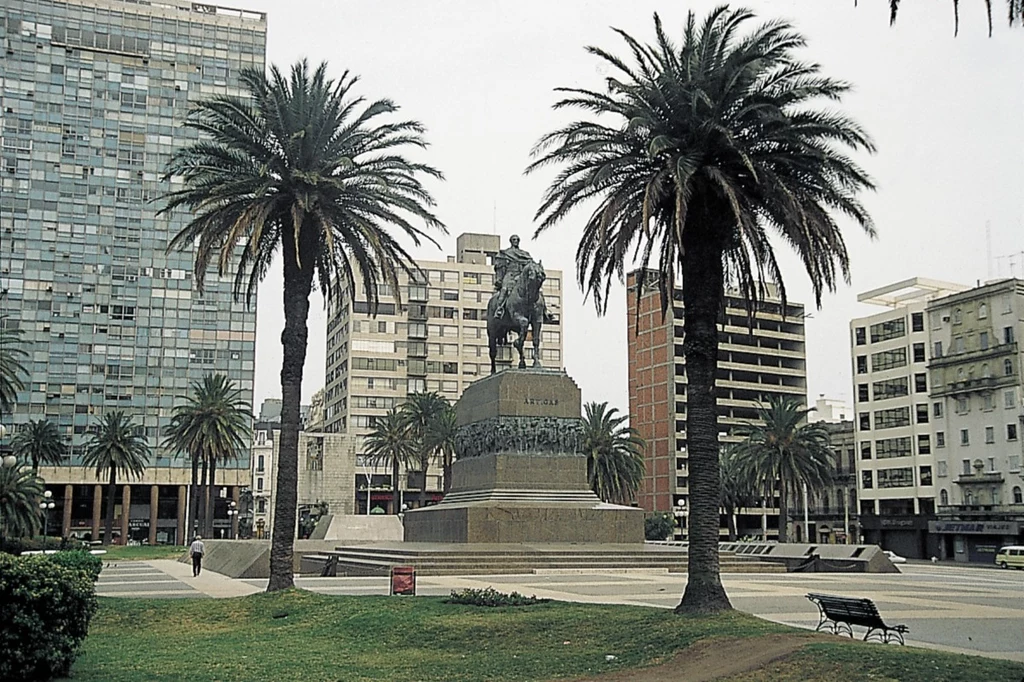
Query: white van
pixel 1010 557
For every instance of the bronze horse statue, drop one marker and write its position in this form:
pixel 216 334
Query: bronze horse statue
pixel 522 310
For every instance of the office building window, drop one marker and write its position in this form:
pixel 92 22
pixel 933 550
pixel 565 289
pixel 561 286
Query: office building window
pixel 862 393
pixel 890 388
pixel 924 444
pixel 925 474
pixel 983 340
pixel 982 311
pixel 889 359
pixel 1010 399
pixel 1013 463
pixel 866 480
pixel 865 450
pixel 990 434
pixel 1008 367
pixel 860 336
pixel 936 410
pixel 938 349
pixel 895 417
pixel 1007 334
pixel 890 329
pixel 901 477
pixel 919 352
pixel 865 421
pixel 965 437
pixel 1011 432
pixel 917 322
pixel 940 469
pixel 963 405
pixel 862 364
pixel 921 413
pixel 888 448
pixel 920 383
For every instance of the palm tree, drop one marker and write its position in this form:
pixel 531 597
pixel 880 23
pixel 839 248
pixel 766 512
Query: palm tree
pixel 615 454
pixel 20 493
pixel 390 443
pixel 212 425
pixel 441 439
pixel 737 492
pixel 695 154
pixel 304 167
pixel 117 446
pixel 784 450
pixel 422 411
pixel 39 442
pixel 1014 13
pixel 11 369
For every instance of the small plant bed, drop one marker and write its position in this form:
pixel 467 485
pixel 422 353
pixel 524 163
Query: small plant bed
pixel 491 597
pixel 140 553
pixel 308 637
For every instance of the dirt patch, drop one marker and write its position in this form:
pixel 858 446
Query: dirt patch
pixel 713 659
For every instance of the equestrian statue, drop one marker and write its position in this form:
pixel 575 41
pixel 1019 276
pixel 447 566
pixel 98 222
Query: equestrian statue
pixel 517 303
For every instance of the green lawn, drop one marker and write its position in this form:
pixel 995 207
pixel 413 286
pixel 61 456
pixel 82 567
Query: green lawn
pixel 140 553
pixel 298 635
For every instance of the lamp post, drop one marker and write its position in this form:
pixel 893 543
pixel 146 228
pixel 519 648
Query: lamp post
pixel 232 513
pixel 46 505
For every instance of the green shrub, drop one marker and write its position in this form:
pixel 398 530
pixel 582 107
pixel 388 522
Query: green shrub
pixel 491 597
pixel 19 545
pixel 45 608
pixel 79 560
pixel 659 526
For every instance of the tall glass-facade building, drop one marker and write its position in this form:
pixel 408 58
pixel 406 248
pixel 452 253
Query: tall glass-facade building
pixel 93 96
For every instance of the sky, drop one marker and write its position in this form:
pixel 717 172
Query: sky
pixel 944 112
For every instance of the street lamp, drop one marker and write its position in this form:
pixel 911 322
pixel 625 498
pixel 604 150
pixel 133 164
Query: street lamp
pixel 232 512
pixel 46 505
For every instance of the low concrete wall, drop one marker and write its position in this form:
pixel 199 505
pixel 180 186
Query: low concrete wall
pixel 364 528
pixel 251 558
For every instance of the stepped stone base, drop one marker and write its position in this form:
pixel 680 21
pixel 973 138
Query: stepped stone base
pixel 510 498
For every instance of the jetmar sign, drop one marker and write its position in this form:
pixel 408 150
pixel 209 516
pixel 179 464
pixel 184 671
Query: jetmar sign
pixel 975 527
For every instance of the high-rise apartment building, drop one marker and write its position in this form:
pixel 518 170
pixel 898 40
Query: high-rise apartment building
pixel 93 96
pixel 436 342
pixel 976 387
pixel 895 445
pixel 758 358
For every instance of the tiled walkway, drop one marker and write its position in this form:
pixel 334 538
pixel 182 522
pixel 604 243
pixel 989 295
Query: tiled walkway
pixel 970 610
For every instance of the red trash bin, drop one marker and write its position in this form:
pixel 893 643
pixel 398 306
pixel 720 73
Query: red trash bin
pixel 403 580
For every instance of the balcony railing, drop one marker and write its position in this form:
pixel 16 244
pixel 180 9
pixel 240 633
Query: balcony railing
pixel 983 477
pixel 976 510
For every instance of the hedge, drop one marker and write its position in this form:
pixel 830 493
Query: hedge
pixel 45 608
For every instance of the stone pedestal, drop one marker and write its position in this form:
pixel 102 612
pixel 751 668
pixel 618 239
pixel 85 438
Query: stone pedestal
pixel 519 477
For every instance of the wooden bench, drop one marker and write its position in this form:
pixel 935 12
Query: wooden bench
pixel 839 614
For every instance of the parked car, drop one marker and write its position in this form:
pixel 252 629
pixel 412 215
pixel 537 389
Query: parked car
pixel 895 558
pixel 1010 557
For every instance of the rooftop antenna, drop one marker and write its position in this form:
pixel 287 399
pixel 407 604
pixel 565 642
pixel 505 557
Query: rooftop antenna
pixel 988 247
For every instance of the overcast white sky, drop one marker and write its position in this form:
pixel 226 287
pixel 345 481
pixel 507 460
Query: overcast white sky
pixel 945 113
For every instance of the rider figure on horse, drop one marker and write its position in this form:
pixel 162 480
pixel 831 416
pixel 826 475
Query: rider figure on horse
pixel 508 263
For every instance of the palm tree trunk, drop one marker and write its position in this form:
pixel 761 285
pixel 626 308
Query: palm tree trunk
pixel 297 284
pixel 423 489
pixel 396 493
pixel 108 530
pixel 210 498
pixel 201 501
pixel 193 502
pixel 783 511
pixel 703 298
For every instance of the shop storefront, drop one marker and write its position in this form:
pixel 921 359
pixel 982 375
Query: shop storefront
pixel 974 541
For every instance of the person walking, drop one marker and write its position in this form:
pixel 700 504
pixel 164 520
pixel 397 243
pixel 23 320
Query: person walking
pixel 196 550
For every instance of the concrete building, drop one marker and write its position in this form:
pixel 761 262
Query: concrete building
pixel 436 342
pixel 976 389
pixel 754 365
pixel 896 449
pixel 94 93
pixel 325 477
pixel 831 410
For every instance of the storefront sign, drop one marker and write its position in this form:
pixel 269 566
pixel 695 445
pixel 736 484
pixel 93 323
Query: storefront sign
pixel 975 527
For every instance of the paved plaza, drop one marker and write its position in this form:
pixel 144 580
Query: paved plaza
pixel 963 609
